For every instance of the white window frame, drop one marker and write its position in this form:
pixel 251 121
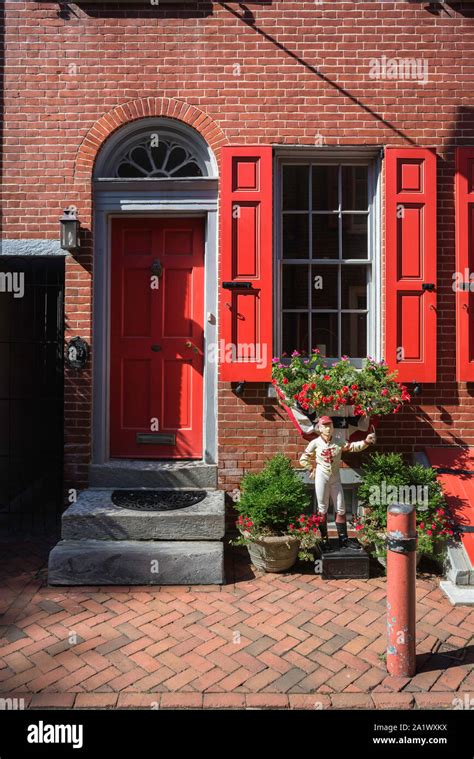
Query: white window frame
pixel 370 157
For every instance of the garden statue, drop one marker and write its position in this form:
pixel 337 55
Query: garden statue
pixel 323 457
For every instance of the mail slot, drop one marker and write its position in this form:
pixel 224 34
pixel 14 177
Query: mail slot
pixel 156 438
pixel 237 285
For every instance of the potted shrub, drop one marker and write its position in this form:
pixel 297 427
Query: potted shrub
pixel 388 479
pixel 271 523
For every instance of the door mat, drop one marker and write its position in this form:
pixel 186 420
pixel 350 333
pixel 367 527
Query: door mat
pixel 157 500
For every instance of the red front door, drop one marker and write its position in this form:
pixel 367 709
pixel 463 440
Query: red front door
pixel 156 339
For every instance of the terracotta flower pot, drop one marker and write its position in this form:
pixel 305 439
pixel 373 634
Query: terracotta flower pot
pixel 274 553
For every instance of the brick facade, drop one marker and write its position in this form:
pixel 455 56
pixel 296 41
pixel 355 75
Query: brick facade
pixel 281 72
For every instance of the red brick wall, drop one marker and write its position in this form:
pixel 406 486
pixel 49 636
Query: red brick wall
pixel 294 71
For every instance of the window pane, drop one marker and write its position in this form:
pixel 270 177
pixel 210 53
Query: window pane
pixel 325 182
pixel 354 287
pixel 355 188
pixel 354 236
pixel 295 286
pixel 295 333
pixel 324 286
pixel 295 188
pixel 324 337
pixel 295 236
pixel 325 236
pixel 354 335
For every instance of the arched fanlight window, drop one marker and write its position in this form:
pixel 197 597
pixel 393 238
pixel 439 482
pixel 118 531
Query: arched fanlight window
pixel 166 159
pixel 155 148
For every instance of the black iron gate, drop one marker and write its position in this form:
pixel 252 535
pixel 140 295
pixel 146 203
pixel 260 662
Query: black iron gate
pixel 31 391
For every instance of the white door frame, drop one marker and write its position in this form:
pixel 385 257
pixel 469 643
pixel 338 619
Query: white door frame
pixel 158 198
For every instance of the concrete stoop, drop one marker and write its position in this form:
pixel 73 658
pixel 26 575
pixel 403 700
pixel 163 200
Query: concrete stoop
pixel 459 570
pixel 103 544
pixel 459 595
pixel 125 473
pixel 136 562
pixel 458 584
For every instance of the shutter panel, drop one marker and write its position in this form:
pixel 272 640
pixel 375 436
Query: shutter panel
pixel 464 264
pixel 245 346
pixel 410 316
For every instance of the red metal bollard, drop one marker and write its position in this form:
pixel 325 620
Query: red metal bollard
pixel 401 590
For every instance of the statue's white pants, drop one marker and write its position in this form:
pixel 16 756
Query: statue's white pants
pixel 329 486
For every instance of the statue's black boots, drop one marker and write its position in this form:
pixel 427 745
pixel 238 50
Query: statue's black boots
pixel 344 540
pixel 323 529
pixel 342 534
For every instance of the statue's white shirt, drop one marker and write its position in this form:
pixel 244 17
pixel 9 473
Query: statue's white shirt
pixel 326 456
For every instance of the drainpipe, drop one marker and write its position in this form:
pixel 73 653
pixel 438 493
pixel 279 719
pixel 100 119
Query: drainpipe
pixel 401 590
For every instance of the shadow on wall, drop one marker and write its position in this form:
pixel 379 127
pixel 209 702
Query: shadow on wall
pixel 150 8
pixel 453 8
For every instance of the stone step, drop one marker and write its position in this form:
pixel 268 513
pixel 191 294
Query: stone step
pixel 130 562
pixel 95 517
pixel 125 473
pixel 458 565
pixel 342 563
pixel 459 595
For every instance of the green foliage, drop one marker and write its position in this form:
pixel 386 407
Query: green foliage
pixel 380 468
pixel 274 497
pixel 385 470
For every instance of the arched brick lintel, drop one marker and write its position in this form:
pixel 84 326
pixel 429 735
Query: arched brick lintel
pixel 139 109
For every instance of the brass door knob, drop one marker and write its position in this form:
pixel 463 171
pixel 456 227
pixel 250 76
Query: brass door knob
pixel 191 345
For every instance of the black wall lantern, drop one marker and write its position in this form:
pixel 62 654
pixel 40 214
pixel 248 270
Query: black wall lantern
pixel 69 229
pixel 77 353
pixel 239 390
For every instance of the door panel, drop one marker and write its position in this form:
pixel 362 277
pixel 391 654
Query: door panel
pixel 157 338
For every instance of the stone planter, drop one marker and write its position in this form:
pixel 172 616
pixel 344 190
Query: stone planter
pixel 274 553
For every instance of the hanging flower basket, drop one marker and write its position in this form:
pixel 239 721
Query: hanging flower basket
pixel 308 388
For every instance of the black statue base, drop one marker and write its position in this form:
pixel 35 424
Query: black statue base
pixel 342 563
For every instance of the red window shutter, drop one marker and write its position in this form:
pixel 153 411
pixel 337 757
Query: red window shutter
pixel 246 319
pixel 410 317
pixel 464 264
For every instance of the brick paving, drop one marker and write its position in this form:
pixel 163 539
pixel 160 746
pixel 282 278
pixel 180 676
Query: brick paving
pixel 261 641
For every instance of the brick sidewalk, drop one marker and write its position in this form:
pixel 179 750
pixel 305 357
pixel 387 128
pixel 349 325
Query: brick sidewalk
pixel 265 641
